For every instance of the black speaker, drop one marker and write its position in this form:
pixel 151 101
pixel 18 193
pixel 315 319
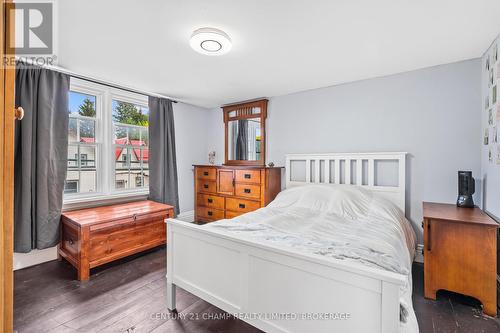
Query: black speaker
pixel 466 188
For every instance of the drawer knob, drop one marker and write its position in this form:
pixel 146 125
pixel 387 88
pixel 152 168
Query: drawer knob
pixel 248 176
pixel 247 190
pixel 135 217
pixel 205 185
pixel 210 200
pixel 70 241
pixel 210 213
pixel 242 205
pixel 205 173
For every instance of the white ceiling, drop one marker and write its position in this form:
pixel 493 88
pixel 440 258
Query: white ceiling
pixel 279 46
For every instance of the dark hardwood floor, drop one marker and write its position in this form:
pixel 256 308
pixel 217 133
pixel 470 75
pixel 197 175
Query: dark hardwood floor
pixel 129 296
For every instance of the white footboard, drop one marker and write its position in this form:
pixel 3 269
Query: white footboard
pixel 277 290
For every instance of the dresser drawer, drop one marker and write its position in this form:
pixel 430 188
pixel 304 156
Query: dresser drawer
pixel 207 186
pixel 230 214
pixel 210 213
pixel 241 205
pixel 248 176
pixel 206 173
pixel 247 190
pixel 212 201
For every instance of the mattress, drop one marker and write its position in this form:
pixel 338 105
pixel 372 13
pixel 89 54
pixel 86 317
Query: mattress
pixel 335 222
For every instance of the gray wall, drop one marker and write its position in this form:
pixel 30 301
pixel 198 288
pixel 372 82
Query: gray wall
pixel 191 133
pixel 429 113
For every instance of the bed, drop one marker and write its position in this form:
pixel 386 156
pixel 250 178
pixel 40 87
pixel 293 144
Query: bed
pixel 332 252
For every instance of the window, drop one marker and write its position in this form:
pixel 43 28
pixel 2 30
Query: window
pixel 82 144
pixel 71 186
pixel 108 142
pixel 131 141
pixel 120 183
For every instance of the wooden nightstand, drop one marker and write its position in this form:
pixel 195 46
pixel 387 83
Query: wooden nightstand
pixel 460 253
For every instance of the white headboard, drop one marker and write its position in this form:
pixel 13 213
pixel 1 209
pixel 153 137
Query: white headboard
pixel 318 171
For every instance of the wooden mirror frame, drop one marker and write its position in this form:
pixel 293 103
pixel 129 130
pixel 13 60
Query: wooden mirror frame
pixel 244 111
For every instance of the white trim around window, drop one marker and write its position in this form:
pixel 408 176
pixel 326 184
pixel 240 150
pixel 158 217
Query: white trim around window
pixel 104 142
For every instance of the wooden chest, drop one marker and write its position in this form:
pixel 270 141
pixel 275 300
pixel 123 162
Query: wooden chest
pixel 229 191
pixel 460 253
pixel 95 236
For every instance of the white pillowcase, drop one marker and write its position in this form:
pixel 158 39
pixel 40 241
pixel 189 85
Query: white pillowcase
pixel 343 200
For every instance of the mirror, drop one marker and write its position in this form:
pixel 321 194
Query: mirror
pixel 244 139
pixel 245 133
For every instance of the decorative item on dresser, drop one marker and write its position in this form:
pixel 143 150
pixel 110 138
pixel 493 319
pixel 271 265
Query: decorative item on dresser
pixel 460 253
pixel 229 191
pixel 94 236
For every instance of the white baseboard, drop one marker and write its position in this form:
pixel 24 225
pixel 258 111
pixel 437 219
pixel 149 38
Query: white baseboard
pixel 187 216
pixel 35 257
pixel 419 257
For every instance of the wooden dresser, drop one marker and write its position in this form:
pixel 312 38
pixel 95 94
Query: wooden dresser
pixel 460 253
pixel 229 191
pixel 94 236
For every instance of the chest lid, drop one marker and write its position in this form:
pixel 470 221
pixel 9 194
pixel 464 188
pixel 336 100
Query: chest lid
pixel 103 214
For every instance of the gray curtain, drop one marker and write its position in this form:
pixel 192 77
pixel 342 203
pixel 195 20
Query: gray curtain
pixel 242 140
pixel 41 151
pixel 162 160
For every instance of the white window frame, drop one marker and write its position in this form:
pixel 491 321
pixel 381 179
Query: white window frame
pixel 104 142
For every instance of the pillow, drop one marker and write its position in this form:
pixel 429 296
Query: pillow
pixel 343 200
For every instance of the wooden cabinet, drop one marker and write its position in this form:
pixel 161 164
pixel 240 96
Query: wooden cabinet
pixel 225 181
pixel 229 191
pixel 94 236
pixel 460 253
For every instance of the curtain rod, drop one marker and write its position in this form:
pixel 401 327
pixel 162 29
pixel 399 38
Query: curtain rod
pixel 93 79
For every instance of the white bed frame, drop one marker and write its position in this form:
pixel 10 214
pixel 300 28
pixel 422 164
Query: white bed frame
pixel 280 291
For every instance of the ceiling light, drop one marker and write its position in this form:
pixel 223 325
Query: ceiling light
pixel 210 41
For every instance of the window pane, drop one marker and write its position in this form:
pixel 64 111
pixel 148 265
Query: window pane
pixel 127 113
pixel 121 135
pixel 87 130
pixel 134 135
pixel 122 162
pixel 88 174
pixel 87 157
pixel 82 104
pixel 145 137
pixel 135 168
pixel 81 176
pixel 72 157
pixel 73 130
pixel 145 166
pixel 136 178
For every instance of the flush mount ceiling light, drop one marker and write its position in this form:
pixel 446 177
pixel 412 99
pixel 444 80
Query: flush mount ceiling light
pixel 210 41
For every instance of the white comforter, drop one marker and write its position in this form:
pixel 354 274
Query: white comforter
pixel 336 222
